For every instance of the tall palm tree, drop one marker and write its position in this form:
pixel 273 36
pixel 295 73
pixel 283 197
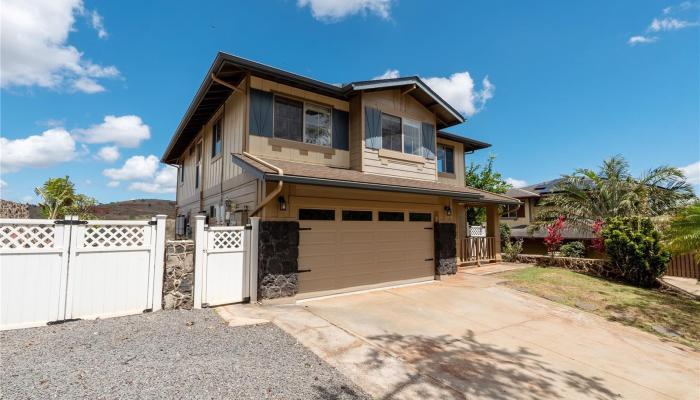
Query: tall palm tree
pixel 683 234
pixel 587 196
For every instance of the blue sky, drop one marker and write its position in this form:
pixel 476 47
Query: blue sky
pixel 552 85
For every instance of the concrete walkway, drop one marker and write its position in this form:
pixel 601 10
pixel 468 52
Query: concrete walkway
pixel 689 285
pixel 472 338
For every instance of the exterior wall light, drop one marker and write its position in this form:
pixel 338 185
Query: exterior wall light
pixel 448 211
pixel 282 203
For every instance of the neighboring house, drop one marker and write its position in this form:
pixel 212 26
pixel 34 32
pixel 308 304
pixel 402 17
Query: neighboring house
pixel 519 218
pixel 362 171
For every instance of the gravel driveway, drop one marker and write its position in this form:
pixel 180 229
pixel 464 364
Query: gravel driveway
pixel 166 354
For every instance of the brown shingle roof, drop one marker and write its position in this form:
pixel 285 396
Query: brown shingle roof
pixel 313 174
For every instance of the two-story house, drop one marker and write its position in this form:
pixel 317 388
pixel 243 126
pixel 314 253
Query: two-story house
pixel 520 218
pixel 364 168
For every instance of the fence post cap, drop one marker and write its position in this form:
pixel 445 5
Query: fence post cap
pixel 161 216
pixel 200 217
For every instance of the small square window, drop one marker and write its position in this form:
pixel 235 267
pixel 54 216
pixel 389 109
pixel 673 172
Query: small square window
pixel 420 217
pixel 391 216
pixel 349 215
pixel 310 214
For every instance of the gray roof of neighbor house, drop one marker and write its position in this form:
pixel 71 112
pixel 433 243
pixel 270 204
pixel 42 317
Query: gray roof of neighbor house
pixel 312 174
pixel 232 70
pixel 520 232
pixel 519 193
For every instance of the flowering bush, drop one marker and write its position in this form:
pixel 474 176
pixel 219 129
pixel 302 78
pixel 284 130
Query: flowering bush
pixel 598 243
pixel 554 236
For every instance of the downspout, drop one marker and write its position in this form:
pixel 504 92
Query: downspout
pixel 272 194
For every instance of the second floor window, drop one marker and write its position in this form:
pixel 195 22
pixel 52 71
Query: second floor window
pixel 513 212
pixel 216 139
pixel 391 132
pixel 301 122
pixel 446 159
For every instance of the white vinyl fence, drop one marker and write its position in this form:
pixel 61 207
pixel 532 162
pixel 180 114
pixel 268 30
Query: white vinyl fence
pixel 52 271
pixel 222 263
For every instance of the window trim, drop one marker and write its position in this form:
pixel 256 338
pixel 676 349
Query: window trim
pixel 303 119
pixel 407 156
pixel 343 211
pixel 199 148
pixel 218 122
pixel 403 214
pixel 507 212
pixel 381 128
pixel 445 174
pixel 181 173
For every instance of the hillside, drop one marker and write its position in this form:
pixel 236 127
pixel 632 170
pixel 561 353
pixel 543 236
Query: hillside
pixel 129 209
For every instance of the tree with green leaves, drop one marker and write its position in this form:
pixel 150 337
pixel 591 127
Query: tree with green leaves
pixel 59 199
pixel 683 233
pixel 588 196
pixel 483 177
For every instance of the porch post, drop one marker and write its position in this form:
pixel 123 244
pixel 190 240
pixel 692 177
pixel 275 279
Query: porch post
pixel 493 228
pixel 199 254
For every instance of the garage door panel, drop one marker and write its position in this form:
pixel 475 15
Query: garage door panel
pixel 346 255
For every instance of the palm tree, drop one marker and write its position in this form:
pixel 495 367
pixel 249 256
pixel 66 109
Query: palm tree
pixel 587 196
pixel 683 234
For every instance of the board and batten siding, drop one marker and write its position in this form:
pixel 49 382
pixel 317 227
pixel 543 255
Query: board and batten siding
pixel 264 145
pixel 376 161
pixel 456 179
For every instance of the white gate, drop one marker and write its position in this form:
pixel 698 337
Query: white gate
pixel 52 271
pixel 222 257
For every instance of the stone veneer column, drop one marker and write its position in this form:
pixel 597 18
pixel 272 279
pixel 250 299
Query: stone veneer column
pixel 445 248
pixel 178 274
pixel 278 252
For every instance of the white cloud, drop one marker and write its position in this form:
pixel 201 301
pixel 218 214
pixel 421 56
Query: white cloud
pixel 87 85
pixel 459 91
pixel 108 153
pixel 136 167
pixel 144 174
pixel 125 131
pixel 516 183
pixel 336 10
pixel 389 74
pixel 2 184
pixel 639 39
pixel 163 182
pixel 692 173
pixel 51 147
pixel 669 24
pixel 98 24
pixel 35 48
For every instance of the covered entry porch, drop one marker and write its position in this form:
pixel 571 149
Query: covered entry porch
pixel 478 243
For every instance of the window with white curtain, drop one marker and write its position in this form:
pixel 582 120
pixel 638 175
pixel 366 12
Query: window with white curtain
pixel 411 137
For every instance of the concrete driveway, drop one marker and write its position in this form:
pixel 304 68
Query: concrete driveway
pixel 472 338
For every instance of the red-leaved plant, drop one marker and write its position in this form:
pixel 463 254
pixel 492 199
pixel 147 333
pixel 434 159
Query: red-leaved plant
pixel 554 236
pixel 598 243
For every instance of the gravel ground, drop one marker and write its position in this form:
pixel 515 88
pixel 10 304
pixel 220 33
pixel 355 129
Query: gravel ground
pixel 166 354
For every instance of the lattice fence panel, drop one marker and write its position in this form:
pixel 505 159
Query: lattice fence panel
pixel 15 236
pixel 227 239
pixel 114 236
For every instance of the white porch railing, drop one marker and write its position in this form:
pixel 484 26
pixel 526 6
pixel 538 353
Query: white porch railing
pixel 477 231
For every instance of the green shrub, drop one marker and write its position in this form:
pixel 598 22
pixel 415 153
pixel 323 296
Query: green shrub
pixel 573 249
pixel 512 249
pixel 505 232
pixel 633 246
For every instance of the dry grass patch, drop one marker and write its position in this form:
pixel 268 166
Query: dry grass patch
pixel 663 314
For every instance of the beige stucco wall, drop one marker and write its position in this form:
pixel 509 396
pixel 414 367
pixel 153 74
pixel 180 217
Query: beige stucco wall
pixel 527 204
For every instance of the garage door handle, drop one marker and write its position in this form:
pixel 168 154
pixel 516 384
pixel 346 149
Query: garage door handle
pixel 304 229
pixel 301 271
pixel 429 259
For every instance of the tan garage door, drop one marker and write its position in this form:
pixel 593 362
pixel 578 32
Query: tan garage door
pixel 351 253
